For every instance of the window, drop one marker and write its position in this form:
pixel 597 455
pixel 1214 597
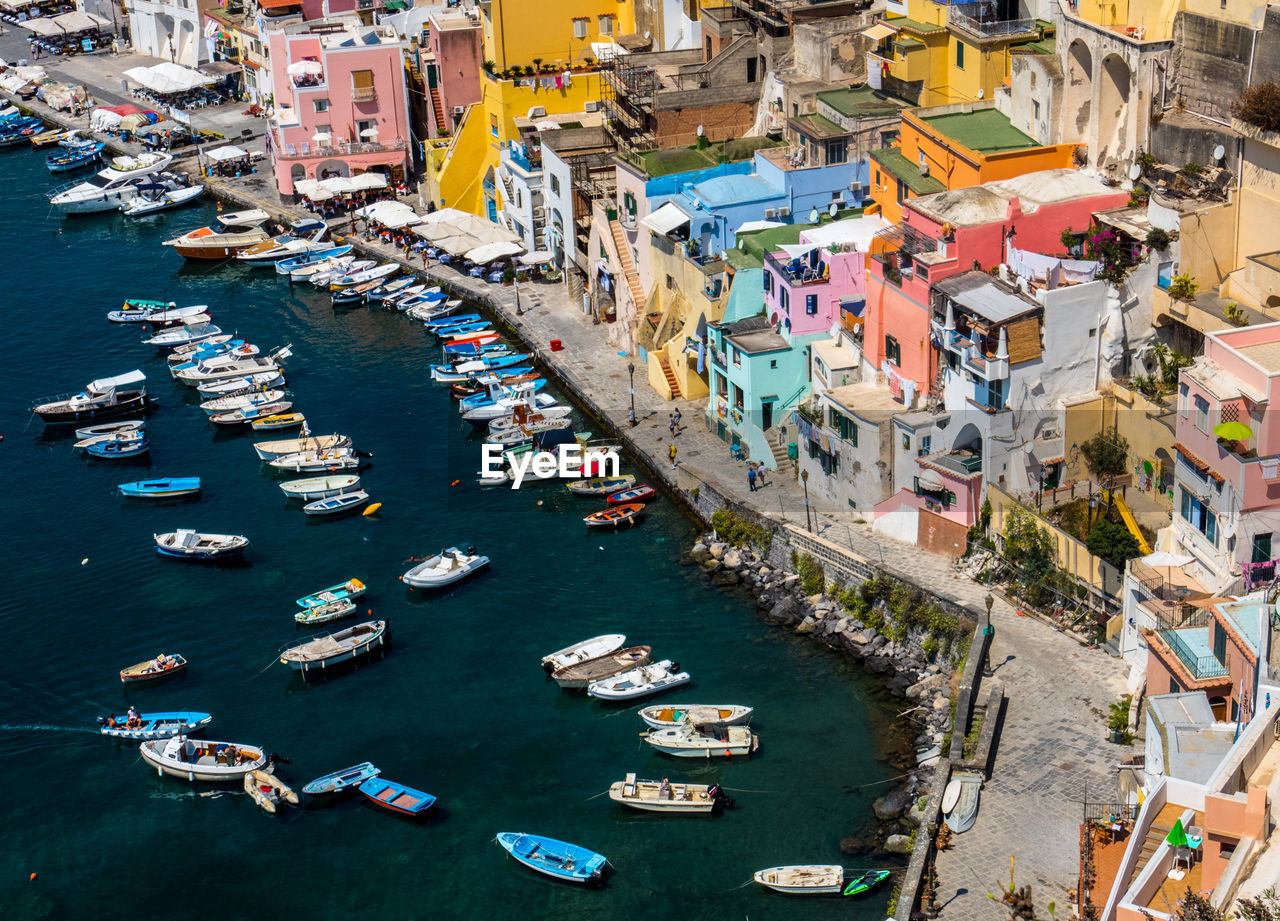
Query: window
pixel 811 304
pixel 784 298
pixel 323 134
pixel 362 85
pixel 892 351
pixel 1035 109
pixel 878 182
pixel 737 363
pixel 1199 516
pixel 1219 643
pixel 606 24
pixel 580 28
pixel 555 184
pixel 1261 548
pixel 1182 400
pixel 321 105
pixel 837 151
pixel 493 129
pixel 1174 687
pixel 960 55
pixel 737 397
pixel 926 443
pixel 367 125
pixel 773 364
pixel 1202 414
pixel 768 281
pixel 991 393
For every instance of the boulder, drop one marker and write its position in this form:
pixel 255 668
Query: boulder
pixel 863 637
pixel 711 565
pixel 898 844
pixel 891 805
pixel 718 549
pixel 732 558
pixel 879 665
pixel 699 553
pixel 925 687
pixel 808 625
pixel 784 610
pixel 725 577
pixel 901 681
pixel 941 703
pixel 852 847
pixel 876 644
pixel 790 581
pixel 915 815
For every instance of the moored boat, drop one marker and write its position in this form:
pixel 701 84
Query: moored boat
pixel 600 486
pixel 345 591
pixel 615 516
pixel 153 198
pixel 241 401
pixel 160 725
pixel 703 740
pixel 159 315
pixel 670 715
pixel 208 761
pixel 106 190
pixel 312 257
pixel 667 797
pixel 580 674
pixel 317 461
pixel 581 652
pixel 445 568
pixel 319 487
pixel 557 859
pixel 186 334
pixel 268 791
pixel 810 879
pixel 396 797
pixel 162 667
pixel 163 488
pixel 643 493
pixel 110 428
pixel 864 881
pixel 639 682
pixel 326 651
pixel 100 399
pixel 239 386
pixel 336 505
pixel 74 158
pixel 130 444
pixel 269 450
pixel 235 236
pixel 343 780
pixel 249 414
pixel 325 613
pixel 192 545
pixel 278 422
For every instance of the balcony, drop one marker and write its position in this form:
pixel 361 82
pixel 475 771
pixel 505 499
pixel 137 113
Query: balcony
pixel 797 272
pixel 306 151
pixel 309 82
pixel 1191 641
pixel 363 94
pixel 972 19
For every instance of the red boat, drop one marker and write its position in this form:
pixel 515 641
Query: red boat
pixel 641 494
pixel 614 517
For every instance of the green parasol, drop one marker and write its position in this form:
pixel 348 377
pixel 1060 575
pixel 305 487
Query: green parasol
pixel 1233 431
pixel 1177 836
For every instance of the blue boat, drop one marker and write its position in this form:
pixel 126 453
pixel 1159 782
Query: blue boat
pixel 473 350
pixel 286 266
pixel 74 158
pixel 453 320
pixel 554 858
pixel 486 399
pixel 391 287
pixel 164 488
pixel 475 326
pixel 397 797
pixel 162 725
pixel 134 447
pixel 343 780
pixel 426 298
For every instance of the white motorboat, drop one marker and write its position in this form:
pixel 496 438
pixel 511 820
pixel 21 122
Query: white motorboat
pixel 203 373
pixel 325 265
pixel 368 275
pixel 303 237
pixel 639 682
pixel 234 386
pixel 114 185
pixel 207 348
pixel 322 279
pixel 702 740
pixel 580 652
pixel 248 414
pixel 336 505
pixel 664 796
pixel 152 198
pixel 445 568
pixel 193 545
pixel 243 401
pixel 211 761
pixel 183 335
pixel 670 715
pixel 162 316
pixel 270 450
pixel 811 879
pixel 580 674
pixel 268 791
pixel 218 357
pixel 481 416
pixel 328 461
pixel 320 487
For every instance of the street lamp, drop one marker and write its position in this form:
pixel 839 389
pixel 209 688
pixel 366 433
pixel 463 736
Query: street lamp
pixel 631 371
pixel 987 630
pixel 804 478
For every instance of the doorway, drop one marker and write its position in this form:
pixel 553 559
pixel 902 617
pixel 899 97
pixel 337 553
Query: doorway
pixel 766 416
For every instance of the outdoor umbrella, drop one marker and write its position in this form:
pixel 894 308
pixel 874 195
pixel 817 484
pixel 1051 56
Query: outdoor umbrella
pixel 370 132
pixel 1177 835
pixel 490 251
pixel 305 68
pixel 1233 431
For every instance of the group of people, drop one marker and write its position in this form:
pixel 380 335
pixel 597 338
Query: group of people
pixel 131 721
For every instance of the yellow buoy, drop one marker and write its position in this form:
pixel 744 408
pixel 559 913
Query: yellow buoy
pixel 373 509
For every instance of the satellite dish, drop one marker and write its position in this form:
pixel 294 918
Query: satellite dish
pixel 1219 152
pixel 1134 171
pixel 980 94
pixel 832 210
pixel 699 131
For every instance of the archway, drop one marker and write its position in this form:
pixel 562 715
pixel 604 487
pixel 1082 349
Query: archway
pixel 1113 109
pixel 330 168
pixel 1078 101
pixel 297 173
pixel 1219 707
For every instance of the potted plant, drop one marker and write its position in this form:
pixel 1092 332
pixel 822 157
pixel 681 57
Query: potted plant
pixel 508 275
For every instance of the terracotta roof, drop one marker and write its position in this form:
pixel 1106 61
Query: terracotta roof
pixel 1198 463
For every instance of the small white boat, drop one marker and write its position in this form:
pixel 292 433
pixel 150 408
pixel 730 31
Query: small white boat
pixel 183 335
pixel 358 278
pixel 499 409
pixel 268 791
pixel 316 268
pixel 202 373
pixel 445 568
pixel 248 414
pixel 670 715
pixel 192 545
pixel 220 357
pixel 810 879
pixel 241 401
pixel 320 487
pixel 702 740
pixel 322 279
pixel 154 198
pixel 326 613
pixel 263 380
pixel 664 796
pixel 212 761
pixel 109 428
pixel 964 810
pixel 269 450
pixel 335 505
pixel 580 674
pixel 328 461
pixel 580 652
pixel 639 682
pixel 343 646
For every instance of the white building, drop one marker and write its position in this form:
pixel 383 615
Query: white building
pixel 168 29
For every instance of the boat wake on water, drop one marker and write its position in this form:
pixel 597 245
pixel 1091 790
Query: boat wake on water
pixel 40 727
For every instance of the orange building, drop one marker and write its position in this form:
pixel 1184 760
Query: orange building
pixel 952 147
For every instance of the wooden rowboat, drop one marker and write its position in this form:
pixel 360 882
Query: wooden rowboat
pixel 397 797
pixel 600 486
pixel 642 493
pixel 614 517
pixel 662 796
pixel 580 674
pixel 161 668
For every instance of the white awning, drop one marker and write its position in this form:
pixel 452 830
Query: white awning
pixel 305 68
pixel 606 51
pixel 798 250
pixel 879 32
pixel 538 257
pixel 76 21
pixel 106 384
pixel 167 77
pixel 751 226
pixel 43 27
pixel 490 251
pixel 230 152
pixel 665 219
pixel 930 479
pixel 390 214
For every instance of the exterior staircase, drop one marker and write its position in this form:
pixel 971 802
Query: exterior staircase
pixel 671 378
pixel 628 266
pixel 779 451
pixel 1155 837
pixel 437 109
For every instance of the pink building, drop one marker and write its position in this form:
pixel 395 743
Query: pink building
pixel 341 103
pixel 451 63
pixel 946 233
pixel 1226 506
pixel 822 280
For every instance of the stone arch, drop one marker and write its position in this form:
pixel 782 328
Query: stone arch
pixel 297 173
pixel 1078 104
pixel 185 41
pixel 969 438
pixel 1114 84
pixel 328 168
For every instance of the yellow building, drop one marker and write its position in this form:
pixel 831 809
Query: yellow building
pixel 940 53
pixel 539 56
pixel 1152 20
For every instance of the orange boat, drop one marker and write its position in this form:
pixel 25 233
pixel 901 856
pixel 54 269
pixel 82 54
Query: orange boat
pixel 614 517
pixel 238 232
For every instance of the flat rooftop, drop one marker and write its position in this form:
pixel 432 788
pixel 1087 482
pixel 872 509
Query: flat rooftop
pixel 866 401
pixel 724 191
pixel 977 292
pixel 1265 354
pixel 989 203
pixel 983 130
pixel 764 340
pixel 860 102
pixel 1245 617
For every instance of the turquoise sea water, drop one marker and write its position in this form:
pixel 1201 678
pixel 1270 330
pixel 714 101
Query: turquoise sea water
pixel 458 707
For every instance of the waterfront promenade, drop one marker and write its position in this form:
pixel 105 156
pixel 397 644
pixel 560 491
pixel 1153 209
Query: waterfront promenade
pixel 1051 747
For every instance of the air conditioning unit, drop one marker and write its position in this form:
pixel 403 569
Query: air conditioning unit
pixel 459 111
pixel 536 112
pixel 784 212
pixel 856 189
pixel 591 106
pixel 770 214
pixel 924 169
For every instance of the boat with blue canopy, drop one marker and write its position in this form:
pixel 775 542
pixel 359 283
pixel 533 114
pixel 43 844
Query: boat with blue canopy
pixel 164 724
pixel 163 488
pixel 558 859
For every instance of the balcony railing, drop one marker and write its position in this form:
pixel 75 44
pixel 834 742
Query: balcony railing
pixel 1199 666
pixel 798 273
pixel 971 18
pixel 363 94
pixel 307 151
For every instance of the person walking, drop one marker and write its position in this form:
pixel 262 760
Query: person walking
pixel 671 452
pixel 760 474
pixel 631 416
pixel 671 423
pixel 675 419
pixel 751 476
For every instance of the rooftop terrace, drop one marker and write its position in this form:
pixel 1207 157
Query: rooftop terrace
pixel 860 102
pixel 984 130
pixel 684 159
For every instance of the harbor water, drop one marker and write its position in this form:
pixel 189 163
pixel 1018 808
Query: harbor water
pixel 458 706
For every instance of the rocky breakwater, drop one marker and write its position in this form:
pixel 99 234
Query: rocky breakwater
pixel 895 630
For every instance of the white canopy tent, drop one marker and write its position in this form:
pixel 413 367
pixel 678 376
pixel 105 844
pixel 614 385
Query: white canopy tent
pixel 229 152
pixel 305 68
pixel 167 77
pixel 488 252
pixel 390 214
pixel 538 257
pixel 798 250
pixel 320 189
pixel 665 219
pixel 752 226
pixel 856 230
pixel 44 27
pixel 458 232
pixel 77 21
